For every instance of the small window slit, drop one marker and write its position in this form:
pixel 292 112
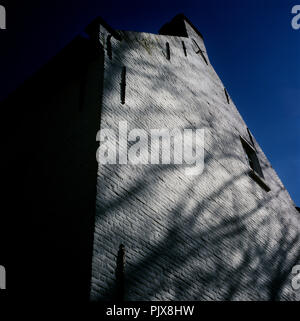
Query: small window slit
pixel 199 51
pixel 119 273
pixel 227 96
pixel 168 51
pixel 123 85
pixel 252 158
pixel 184 48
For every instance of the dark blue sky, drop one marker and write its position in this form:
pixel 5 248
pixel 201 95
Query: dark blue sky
pixel 251 44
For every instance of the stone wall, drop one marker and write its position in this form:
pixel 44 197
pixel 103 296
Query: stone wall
pixel 216 236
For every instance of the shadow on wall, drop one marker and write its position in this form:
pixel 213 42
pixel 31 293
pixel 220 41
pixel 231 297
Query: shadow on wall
pixel 50 176
pixel 233 258
pixel 50 179
pixel 266 266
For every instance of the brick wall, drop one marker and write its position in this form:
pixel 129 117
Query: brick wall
pixel 215 236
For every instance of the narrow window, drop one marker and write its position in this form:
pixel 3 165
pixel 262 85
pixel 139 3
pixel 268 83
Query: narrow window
pixel 123 85
pixel 199 51
pixel 227 96
pixel 168 51
pixel 108 47
pixel 196 47
pixel 251 138
pixel 252 158
pixel 184 48
pixel 120 269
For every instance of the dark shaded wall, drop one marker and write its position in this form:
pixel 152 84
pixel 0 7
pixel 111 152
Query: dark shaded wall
pixel 50 169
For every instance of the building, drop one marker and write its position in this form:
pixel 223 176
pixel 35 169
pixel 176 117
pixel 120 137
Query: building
pixel 143 232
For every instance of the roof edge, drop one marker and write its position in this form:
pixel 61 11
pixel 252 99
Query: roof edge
pixel 92 27
pixel 175 27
